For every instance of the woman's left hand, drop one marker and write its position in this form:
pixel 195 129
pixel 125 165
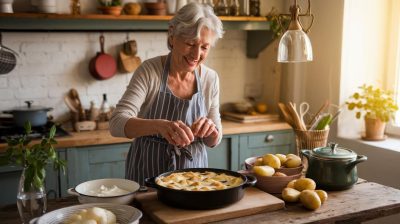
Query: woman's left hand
pixel 204 128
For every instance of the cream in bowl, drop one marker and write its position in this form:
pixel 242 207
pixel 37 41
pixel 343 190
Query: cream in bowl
pixel 117 191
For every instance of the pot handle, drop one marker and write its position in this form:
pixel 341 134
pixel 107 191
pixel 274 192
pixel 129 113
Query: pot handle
pixel 306 153
pixel 72 191
pixel 151 182
pixel 360 158
pixel 7 111
pixel 251 181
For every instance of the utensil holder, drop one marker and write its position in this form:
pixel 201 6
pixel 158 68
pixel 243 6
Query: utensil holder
pixel 311 139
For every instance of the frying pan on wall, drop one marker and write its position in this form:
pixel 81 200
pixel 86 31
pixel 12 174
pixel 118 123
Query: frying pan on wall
pixel 102 66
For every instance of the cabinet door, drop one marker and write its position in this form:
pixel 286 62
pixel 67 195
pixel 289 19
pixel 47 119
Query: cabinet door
pixel 226 154
pixel 89 163
pixel 258 144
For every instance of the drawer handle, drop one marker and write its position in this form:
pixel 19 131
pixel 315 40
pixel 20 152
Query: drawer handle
pixel 269 138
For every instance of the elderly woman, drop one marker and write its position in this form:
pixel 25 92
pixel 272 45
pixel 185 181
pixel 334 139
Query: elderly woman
pixel 171 105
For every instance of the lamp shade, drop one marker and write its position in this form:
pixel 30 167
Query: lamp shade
pixel 295 46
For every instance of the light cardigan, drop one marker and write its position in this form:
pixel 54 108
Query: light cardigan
pixel 144 87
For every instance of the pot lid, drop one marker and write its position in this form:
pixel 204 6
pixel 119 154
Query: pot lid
pixel 29 107
pixel 332 151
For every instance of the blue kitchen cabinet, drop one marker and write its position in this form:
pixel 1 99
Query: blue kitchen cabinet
pixel 94 162
pixel 257 144
pixel 226 154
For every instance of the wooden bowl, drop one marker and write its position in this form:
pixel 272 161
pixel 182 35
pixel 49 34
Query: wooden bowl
pixel 249 162
pixel 274 184
pixel 155 5
pixel 111 10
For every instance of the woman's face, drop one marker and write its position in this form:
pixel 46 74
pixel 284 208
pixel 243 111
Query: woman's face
pixel 187 54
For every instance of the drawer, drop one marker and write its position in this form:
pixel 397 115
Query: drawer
pixel 112 153
pixel 270 139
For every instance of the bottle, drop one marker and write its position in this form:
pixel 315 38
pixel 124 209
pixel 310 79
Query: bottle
pixel 94 111
pixel 222 8
pixel 75 7
pixel 105 108
pixel 234 8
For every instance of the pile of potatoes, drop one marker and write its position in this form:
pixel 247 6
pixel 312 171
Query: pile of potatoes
pixel 303 190
pixel 266 165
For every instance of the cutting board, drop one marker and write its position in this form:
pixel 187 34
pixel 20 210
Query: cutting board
pixel 254 201
pixel 246 118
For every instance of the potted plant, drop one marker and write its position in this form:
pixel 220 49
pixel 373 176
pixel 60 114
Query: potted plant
pixel 110 7
pixel 31 195
pixel 377 106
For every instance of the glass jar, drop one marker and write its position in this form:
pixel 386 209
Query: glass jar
pixel 222 8
pixel 255 7
pixel 75 7
pixel 234 8
pixel 31 203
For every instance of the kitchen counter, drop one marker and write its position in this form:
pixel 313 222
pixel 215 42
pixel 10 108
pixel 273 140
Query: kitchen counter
pixel 365 201
pixel 103 137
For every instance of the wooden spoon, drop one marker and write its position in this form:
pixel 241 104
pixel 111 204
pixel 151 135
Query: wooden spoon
pixel 74 95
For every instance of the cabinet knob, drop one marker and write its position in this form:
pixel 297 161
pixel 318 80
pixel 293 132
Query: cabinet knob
pixel 269 138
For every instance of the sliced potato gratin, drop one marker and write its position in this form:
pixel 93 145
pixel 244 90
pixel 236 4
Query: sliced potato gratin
pixel 199 181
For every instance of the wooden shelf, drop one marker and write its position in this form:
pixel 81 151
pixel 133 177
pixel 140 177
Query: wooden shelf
pixel 258 28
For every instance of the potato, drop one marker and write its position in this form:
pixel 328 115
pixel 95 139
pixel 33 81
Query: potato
pixel 258 162
pixel 310 199
pixel 282 158
pixel 290 194
pixel 291 155
pixel 293 162
pixel 322 195
pixel 279 174
pixel 272 161
pixel 265 171
pixel 304 184
pixel 291 184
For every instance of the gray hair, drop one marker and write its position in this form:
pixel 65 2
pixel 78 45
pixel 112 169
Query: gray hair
pixel 191 18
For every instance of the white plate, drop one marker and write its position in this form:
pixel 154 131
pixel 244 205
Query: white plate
pixel 125 214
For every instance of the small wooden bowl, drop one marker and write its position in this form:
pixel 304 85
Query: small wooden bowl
pixel 111 10
pixel 249 162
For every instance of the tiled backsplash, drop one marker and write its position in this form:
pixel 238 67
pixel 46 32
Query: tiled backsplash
pixel 49 64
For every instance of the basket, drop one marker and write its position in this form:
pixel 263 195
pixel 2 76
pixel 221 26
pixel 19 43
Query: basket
pixel 311 139
pixel 7 61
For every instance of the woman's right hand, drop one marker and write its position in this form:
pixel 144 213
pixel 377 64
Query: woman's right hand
pixel 176 132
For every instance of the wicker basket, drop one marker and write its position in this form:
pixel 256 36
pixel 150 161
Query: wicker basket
pixel 311 139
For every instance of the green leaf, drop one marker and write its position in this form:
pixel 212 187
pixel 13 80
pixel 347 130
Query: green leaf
pixel 27 127
pixel 52 132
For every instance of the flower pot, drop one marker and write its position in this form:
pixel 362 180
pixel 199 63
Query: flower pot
pixel 111 10
pixel 374 129
pixel 31 203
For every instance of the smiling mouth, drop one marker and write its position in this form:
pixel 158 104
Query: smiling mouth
pixel 191 62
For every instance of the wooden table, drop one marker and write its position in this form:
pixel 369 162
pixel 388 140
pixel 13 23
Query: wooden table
pixel 365 201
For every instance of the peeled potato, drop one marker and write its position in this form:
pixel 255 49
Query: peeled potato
pixel 258 162
pixel 293 162
pixel 272 161
pixel 310 199
pixel 291 155
pixel 291 184
pixel 290 194
pixel 322 195
pixel 279 174
pixel 265 171
pixel 304 184
pixel 282 158
pixel 93 215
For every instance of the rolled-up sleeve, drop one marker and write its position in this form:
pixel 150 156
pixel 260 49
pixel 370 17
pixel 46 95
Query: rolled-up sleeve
pixel 214 113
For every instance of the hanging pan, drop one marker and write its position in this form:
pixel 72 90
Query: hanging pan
pixel 8 58
pixel 102 66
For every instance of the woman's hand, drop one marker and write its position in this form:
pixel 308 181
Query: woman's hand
pixel 176 132
pixel 204 128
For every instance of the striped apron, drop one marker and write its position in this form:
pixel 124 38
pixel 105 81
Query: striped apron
pixel 150 156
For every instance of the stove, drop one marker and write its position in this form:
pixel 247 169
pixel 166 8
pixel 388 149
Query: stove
pixel 8 130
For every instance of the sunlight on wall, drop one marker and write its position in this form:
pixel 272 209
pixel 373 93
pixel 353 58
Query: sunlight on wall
pixel 364 53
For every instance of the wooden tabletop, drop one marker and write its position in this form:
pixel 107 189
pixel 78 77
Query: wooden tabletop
pixel 365 201
pixel 103 137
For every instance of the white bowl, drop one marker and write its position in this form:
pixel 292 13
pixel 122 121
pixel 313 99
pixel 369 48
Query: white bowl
pixel 85 191
pixel 125 214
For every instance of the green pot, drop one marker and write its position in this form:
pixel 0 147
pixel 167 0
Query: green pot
pixel 333 167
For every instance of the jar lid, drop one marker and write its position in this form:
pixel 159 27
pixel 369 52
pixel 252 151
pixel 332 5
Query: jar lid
pixel 332 151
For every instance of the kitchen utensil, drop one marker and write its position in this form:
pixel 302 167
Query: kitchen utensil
pixel 86 191
pixel 325 105
pixel 333 167
pixel 102 66
pixel 286 114
pixel 127 56
pixel 8 59
pixel 254 201
pixel 246 118
pixel 74 96
pixel 201 199
pixel 249 163
pixel 36 115
pixel 296 118
pixel 125 214
pixel 303 109
pixel 70 104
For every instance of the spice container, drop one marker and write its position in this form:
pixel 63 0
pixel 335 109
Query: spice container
pixel 75 7
pixel 234 8
pixel 255 7
pixel 222 8
pixel 245 8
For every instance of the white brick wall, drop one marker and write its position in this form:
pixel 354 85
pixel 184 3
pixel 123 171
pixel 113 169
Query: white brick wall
pixel 49 64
